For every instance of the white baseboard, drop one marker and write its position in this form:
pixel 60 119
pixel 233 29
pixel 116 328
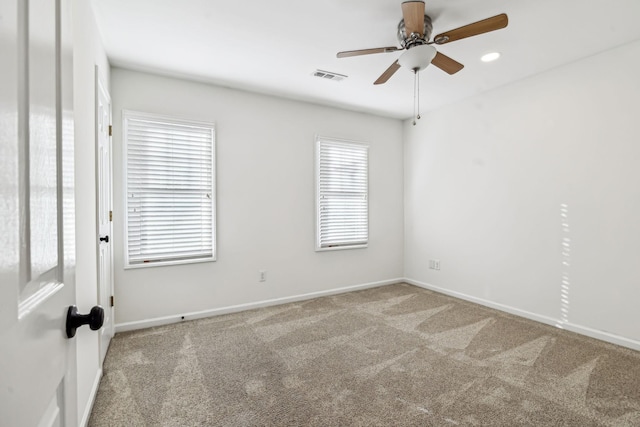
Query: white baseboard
pixel 92 398
pixel 159 321
pixel 583 330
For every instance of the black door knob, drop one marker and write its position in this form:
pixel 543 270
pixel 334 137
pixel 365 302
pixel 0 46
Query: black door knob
pixel 94 319
pixel 105 239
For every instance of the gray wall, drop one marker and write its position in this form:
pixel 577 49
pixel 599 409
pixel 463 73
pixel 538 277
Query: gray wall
pixel 266 201
pixel 529 196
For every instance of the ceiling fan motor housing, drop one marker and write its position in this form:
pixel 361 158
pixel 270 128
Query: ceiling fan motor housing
pixel 406 41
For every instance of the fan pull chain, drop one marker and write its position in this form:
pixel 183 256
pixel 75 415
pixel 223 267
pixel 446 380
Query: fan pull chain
pixel 416 96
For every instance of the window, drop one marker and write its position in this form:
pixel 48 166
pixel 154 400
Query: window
pixel 341 194
pixel 170 191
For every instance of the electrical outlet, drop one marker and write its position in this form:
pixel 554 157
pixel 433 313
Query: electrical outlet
pixel 263 275
pixel 436 264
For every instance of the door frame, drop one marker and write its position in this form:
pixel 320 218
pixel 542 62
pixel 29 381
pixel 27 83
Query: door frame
pixel 107 305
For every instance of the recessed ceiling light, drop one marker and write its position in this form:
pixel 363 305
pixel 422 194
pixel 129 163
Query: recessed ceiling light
pixel 490 57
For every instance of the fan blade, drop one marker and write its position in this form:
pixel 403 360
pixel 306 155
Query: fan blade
pixel 446 64
pixel 413 14
pixel 348 53
pixel 387 74
pixel 486 25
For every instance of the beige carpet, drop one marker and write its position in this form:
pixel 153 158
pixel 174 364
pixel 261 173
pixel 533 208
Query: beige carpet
pixel 390 356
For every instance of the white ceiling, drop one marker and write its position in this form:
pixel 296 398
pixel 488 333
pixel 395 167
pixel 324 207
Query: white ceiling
pixel 274 46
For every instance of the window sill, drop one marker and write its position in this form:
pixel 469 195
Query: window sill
pixel 168 263
pixel 339 248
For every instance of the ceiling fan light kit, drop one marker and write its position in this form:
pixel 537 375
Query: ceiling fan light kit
pixel 414 33
pixel 418 57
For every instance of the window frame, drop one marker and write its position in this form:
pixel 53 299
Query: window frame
pixel 128 114
pixel 337 141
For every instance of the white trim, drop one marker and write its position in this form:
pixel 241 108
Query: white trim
pixel 583 330
pixel 101 88
pixel 92 399
pixel 340 248
pixel 159 321
pixel 165 117
pixel 172 262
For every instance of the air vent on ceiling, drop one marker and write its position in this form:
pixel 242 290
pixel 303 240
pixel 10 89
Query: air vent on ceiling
pixel 329 75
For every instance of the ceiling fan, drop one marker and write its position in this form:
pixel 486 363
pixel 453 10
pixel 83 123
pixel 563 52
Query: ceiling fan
pixel 414 33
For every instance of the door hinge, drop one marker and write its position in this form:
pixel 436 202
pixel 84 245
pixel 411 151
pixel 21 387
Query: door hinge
pixel 110 130
pixel 111 300
pixel 111 216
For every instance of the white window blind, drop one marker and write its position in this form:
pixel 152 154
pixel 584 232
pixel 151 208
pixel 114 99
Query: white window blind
pixel 342 186
pixel 170 205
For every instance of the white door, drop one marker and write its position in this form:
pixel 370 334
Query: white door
pixel 105 257
pixel 37 226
